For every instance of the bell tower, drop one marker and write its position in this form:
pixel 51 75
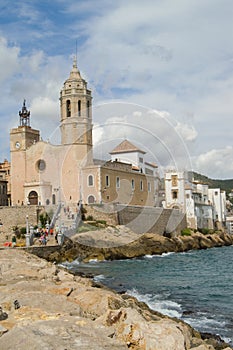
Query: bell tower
pixel 76 114
pixel 21 139
pixel 23 136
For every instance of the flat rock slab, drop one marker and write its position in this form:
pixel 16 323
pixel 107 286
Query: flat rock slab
pixel 56 310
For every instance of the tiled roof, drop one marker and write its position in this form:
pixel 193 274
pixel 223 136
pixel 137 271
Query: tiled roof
pixel 153 165
pixel 125 147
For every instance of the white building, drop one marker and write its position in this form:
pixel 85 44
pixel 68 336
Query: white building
pixel 126 152
pixel 218 200
pixel 175 190
pixel 204 207
pixel 229 224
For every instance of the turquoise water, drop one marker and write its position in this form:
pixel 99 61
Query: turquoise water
pixel 196 286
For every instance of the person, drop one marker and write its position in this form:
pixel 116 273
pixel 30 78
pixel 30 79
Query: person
pixel 43 239
pixel 13 240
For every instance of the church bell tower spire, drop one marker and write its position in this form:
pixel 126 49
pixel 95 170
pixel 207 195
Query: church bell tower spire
pixel 76 111
pixel 76 108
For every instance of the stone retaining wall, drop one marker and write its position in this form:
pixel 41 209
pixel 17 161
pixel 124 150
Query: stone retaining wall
pixel 140 219
pixel 42 251
pixel 104 212
pixel 16 216
pixel 152 219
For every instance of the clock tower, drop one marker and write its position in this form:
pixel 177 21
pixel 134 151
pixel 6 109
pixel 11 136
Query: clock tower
pixel 21 138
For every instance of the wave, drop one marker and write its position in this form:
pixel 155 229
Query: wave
pixel 155 302
pixel 202 321
pixel 91 261
pixel 99 278
pixel 148 256
pixel 69 265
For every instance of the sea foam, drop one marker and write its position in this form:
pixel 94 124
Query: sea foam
pixel 166 307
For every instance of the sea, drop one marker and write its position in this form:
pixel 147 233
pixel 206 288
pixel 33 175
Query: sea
pixel 195 286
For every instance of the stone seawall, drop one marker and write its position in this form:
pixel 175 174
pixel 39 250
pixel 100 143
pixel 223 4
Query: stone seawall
pixel 43 252
pixel 148 219
pixel 140 219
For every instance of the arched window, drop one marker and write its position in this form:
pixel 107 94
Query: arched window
pixel 117 182
pixel 33 198
pixel 132 184
pixel 91 199
pixel 68 111
pixel 54 199
pixel 90 180
pixel 88 109
pixel 79 108
pixel 141 185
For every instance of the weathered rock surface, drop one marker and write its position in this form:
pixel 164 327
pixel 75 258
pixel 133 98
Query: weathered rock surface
pixel 61 311
pixel 110 245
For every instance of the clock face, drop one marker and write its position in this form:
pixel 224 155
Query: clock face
pixel 17 144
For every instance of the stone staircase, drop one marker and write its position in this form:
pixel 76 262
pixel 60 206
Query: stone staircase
pixel 68 215
pixel 67 218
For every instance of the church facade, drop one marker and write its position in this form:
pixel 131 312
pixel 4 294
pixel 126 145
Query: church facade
pixel 44 174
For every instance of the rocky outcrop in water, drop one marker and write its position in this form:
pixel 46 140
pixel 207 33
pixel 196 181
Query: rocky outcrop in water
pixel 110 245
pixel 56 310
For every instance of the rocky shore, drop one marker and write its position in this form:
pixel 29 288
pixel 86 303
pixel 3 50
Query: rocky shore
pixel 121 243
pixel 56 310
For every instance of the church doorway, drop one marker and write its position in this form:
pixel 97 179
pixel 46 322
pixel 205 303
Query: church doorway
pixel 91 199
pixel 33 198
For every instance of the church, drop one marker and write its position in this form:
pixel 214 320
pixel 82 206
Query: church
pixel 46 174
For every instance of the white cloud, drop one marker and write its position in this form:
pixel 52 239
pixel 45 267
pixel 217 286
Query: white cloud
pixel 188 132
pixel 151 131
pixel 175 58
pixel 217 163
pixel 8 60
pixel 36 78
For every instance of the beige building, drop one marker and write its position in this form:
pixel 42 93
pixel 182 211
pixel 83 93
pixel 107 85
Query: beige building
pixel 43 174
pixel 117 182
pixel 5 191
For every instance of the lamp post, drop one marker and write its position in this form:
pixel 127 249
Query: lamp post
pixel 27 233
pixel 60 236
pixel 58 190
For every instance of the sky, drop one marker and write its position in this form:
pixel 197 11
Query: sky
pixel 161 74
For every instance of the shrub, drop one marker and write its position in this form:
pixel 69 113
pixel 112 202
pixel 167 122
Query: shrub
pixel 186 232
pixel 90 218
pixel 44 218
pixel 205 231
pixel 23 230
